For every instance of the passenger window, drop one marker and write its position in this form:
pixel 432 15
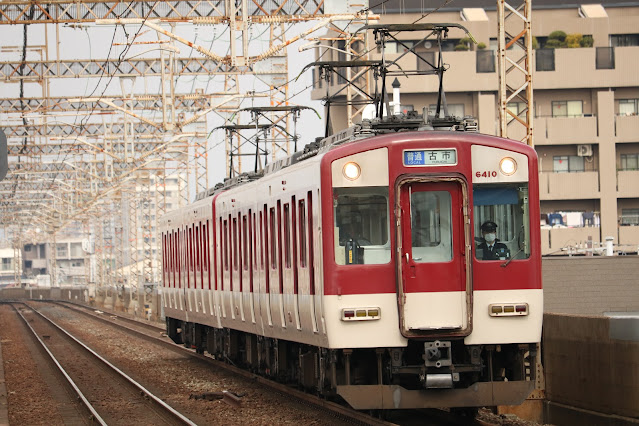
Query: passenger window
pixel 225 249
pixel 245 243
pixel 234 242
pixel 272 237
pixel 287 235
pixel 302 231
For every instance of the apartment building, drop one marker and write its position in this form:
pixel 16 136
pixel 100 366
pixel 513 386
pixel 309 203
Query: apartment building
pixel 10 266
pixel 586 105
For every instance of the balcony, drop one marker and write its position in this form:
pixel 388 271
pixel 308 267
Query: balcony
pixel 565 130
pixel 553 240
pixel 39 263
pixel 72 271
pixel 577 68
pixel 628 183
pixel 568 186
pixel 574 68
pixel 627 128
pixel 629 235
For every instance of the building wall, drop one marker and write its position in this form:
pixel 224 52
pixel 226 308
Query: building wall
pixel 591 285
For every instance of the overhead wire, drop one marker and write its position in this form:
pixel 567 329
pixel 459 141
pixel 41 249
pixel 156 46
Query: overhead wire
pixel 84 120
pixel 23 148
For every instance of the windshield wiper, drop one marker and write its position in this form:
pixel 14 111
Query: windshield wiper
pixel 503 265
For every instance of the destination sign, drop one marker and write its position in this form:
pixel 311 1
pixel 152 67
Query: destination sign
pixel 430 157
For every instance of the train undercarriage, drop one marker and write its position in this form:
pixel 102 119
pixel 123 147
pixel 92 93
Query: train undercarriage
pixel 425 373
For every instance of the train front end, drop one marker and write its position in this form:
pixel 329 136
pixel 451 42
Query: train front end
pixel 432 269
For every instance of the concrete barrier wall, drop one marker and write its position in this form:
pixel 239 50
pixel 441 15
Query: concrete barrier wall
pixel 592 363
pixel 139 304
pixel 591 285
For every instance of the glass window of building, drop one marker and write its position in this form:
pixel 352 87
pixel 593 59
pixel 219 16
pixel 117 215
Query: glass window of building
pixel 568 163
pixel 629 217
pixel 567 108
pixel 629 162
pixel 628 106
pixel 617 40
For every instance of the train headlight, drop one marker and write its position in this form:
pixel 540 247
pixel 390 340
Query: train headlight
pixel 508 166
pixel 351 170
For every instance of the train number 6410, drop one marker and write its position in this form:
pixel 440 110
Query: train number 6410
pixel 486 174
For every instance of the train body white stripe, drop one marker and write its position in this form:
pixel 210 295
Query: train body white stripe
pixel 385 332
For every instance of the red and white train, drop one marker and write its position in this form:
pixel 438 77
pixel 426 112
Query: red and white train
pixel 354 268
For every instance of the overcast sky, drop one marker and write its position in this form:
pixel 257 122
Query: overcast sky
pixel 93 41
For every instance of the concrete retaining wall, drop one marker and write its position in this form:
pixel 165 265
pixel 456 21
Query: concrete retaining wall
pixel 591 285
pixel 592 363
pixel 139 304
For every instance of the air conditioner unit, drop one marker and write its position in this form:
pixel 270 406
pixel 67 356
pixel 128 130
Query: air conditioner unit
pixel 584 150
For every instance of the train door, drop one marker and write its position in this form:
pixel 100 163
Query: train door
pixel 434 293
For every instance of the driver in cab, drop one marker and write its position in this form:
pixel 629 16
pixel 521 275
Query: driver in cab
pixel 490 246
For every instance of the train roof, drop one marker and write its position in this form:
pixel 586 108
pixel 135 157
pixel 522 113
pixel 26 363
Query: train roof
pixel 366 129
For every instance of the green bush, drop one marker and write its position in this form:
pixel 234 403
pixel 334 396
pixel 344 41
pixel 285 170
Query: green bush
pixel 557 35
pixel 535 43
pixel 553 43
pixel 587 41
pixel 481 45
pixel 461 47
pixel 573 40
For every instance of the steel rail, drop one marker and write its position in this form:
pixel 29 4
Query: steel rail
pixel 77 390
pixel 346 412
pixel 174 413
pixel 336 409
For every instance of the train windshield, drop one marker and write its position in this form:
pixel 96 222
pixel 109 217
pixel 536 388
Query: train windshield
pixel 502 222
pixel 361 225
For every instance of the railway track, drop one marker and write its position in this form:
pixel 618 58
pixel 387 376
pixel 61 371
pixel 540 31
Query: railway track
pixel 155 334
pixel 107 393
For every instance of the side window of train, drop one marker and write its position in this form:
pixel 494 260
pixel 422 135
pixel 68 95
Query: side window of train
pixel 272 237
pixel 302 232
pixel 287 235
pixel 361 225
pixel 245 240
pixel 225 249
pixel 198 249
pixel 501 221
pixel 205 244
pixel 235 247
pixel 191 255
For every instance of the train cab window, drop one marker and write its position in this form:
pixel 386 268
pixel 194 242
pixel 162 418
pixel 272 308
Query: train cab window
pixel 431 228
pixel 361 225
pixel 501 221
